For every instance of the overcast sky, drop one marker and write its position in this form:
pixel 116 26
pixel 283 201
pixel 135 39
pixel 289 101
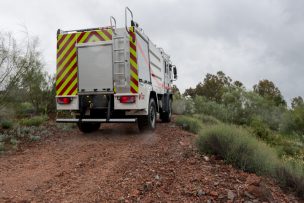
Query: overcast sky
pixel 248 40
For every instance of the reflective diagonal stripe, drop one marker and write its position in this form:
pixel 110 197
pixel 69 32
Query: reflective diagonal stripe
pixel 70 85
pixel 61 72
pixel 133 52
pixel 67 59
pixel 62 41
pixel 108 33
pixel 103 35
pixel 73 91
pixel 66 62
pixel 67 82
pixel 84 37
pixel 134 75
pixel 133 87
pixel 70 44
pixel 59 37
pixel 133 62
pixel 66 74
pixel 133 69
pixel 62 69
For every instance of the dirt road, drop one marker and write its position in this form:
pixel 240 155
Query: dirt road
pixel 118 164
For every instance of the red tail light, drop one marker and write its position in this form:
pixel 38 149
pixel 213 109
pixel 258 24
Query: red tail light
pixel 127 99
pixel 64 100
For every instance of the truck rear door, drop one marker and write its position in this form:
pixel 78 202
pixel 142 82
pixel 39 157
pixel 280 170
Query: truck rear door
pixel 95 67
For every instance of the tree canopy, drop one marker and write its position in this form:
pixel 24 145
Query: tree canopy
pixel 268 90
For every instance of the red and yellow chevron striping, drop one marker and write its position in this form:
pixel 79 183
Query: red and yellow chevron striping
pixel 133 62
pixel 66 74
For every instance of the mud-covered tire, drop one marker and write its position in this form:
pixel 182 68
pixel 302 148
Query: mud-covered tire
pixel 166 116
pixel 88 127
pixel 148 123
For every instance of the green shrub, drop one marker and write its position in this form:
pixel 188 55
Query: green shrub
pixel 207 119
pixel 240 107
pixel 7 112
pixel 34 121
pixel 291 175
pixel 25 109
pixel 237 147
pixel 288 148
pixel 189 123
pixel 212 108
pixel 293 121
pixel 182 106
pixel 7 124
pixel 260 129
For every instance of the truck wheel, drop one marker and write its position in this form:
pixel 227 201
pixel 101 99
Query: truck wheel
pixel 88 127
pixel 166 116
pixel 148 123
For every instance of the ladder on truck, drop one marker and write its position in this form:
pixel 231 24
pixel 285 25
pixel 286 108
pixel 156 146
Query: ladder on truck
pixel 120 60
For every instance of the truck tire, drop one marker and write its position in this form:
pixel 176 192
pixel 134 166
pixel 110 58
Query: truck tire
pixel 166 116
pixel 148 123
pixel 88 127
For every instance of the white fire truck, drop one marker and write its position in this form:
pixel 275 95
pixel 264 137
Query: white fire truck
pixel 112 74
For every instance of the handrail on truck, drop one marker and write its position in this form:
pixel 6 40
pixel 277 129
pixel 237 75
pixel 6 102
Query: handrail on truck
pixel 112 19
pixel 126 17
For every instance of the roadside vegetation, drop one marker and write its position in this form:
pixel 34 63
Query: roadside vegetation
pixel 254 130
pixel 27 93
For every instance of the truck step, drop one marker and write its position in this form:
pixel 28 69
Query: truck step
pixel 118 37
pixel 94 120
pixel 122 49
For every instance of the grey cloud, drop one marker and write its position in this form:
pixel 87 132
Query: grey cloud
pixel 249 40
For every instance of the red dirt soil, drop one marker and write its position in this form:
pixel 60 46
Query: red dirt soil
pixel 118 164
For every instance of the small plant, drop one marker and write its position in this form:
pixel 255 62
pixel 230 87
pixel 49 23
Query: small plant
pixel 2 137
pixel 34 121
pixel 2 148
pixel 35 138
pixel 14 141
pixel 188 123
pixel 25 130
pixel 65 126
pixel 7 124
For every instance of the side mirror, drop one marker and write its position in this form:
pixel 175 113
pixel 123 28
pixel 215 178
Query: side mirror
pixel 174 73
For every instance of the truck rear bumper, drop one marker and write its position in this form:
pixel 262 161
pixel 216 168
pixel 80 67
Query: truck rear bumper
pixel 93 120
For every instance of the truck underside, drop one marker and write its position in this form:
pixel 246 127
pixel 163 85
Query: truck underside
pixel 97 109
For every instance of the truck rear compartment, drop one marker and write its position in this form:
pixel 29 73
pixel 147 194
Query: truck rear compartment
pixel 95 69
